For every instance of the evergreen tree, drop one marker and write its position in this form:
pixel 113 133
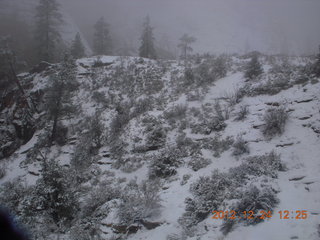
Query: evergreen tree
pixel 8 64
pixel 58 99
pixel 316 66
pixel 254 68
pixel 184 45
pixel 77 48
pixel 147 49
pixel 102 43
pixel 48 18
pixel 55 194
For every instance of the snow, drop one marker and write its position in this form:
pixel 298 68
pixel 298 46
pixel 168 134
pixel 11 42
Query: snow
pixel 299 185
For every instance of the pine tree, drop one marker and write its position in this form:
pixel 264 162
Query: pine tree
pixel 184 45
pixel 48 18
pixel 254 68
pixel 147 49
pixel 8 64
pixel 58 99
pixel 316 66
pixel 55 195
pixel 102 44
pixel 77 48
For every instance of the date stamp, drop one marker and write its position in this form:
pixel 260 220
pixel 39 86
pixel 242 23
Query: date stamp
pixel 285 214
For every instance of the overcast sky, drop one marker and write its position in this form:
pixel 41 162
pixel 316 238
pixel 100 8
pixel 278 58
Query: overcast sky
pixel 271 26
pixel 219 25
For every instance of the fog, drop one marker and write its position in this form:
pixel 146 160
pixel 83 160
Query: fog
pixel 220 26
pixel 272 26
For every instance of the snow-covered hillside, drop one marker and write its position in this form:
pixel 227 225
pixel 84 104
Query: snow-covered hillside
pixel 152 148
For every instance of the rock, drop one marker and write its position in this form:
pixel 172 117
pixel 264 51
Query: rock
pixel 275 104
pixel 304 101
pixel 305 118
pixel 123 229
pixel 284 144
pixel 33 173
pixel 151 225
pixel 297 178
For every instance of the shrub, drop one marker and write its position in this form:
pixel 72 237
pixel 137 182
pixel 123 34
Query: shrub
pixel 55 194
pixel 254 68
pixel 218 145
pixel 252 199
pixel 275 120
pixel 185 179
pixel 139 202
pixel 208 193
pixel 242 114
pixel 141 106
pixel 265 165
pixel 234 97
pixel 198 162
pixel 222 112
pixel 83 156
pixel 156 138
pixel 215 125
pixel 97 197
pixel 100 98
pixel 164 165
pixel 240 147
pixel 189 77
pixel 176 112
pixel 12 194
pixel 117 124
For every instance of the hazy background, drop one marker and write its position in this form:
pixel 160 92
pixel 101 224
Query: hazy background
pixel 287 26
pixel 220 26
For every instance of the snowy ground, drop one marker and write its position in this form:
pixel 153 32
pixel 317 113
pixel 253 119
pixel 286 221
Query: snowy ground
pixel 299 185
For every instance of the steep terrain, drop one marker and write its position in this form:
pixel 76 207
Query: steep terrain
pixel 149 149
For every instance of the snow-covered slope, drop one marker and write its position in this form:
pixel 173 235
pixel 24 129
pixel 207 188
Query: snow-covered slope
pixel 170 125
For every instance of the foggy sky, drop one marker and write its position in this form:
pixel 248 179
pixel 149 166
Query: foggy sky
pixel 219 25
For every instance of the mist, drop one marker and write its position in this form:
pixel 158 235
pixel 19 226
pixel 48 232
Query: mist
pixel 285 26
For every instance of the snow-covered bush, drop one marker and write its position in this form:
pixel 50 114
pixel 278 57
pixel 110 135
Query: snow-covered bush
pixel 235 96
pixel 117 124
pixel 211 69
pixel 156 138
pixel 83 156
pixel 100 98
pixel 198 162
pixel 275 120
pixel 176 112
pixel 217 144
pixel 216 124
pixel 265 165
pixel 141 106
pixel 208 193
pixel 222 112
pixel 131 164
pixel 139 202
pixel 252 199
pixel 55 193
pixel 164 165
pixel 12 195
pixel 240 147
pixel 189 77
pixel 185 179
pixel 243 112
